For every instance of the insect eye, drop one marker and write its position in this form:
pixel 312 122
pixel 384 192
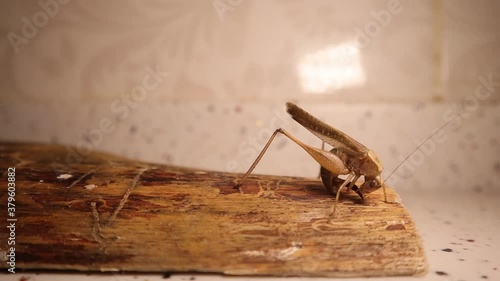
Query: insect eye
pixel 373 183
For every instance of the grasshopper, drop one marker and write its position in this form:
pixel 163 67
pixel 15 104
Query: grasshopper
pixel 348 157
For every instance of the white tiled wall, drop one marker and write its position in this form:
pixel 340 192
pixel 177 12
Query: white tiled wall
pixel 199 84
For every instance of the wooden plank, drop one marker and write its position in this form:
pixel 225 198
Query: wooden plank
pixel 115 214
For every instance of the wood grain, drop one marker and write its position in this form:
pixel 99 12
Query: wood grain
pixel 115 214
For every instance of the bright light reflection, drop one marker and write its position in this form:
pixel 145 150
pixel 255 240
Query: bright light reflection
pixel 335 67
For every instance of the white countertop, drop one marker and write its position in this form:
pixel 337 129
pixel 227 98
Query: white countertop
pixel 459 230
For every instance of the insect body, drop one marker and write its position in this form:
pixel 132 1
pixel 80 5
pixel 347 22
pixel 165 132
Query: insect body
pixel 348 157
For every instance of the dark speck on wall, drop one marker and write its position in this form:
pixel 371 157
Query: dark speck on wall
pixel 461 145
pixel 237 109
pixel 469 135
pixel 211 108
pixel 461 259
pixel 471 240
pixel 441 273
pixel 173 143
pixel 166 275
pixel 447 250
pixel 454 168
pixel 393 150
pixel 420 106
pixel 132 130
pixel 484 277
pixel 496 167
pixel 473 146
pixel 167 157
pixel 54 140
pixel 243 130
pixel 281 144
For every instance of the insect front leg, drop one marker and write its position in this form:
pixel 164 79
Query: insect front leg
pixel 348 180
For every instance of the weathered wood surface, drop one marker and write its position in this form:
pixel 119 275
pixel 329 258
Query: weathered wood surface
pixel 118 214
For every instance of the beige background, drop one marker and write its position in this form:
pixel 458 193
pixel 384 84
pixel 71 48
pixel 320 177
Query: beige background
pixel 199 84
pixel 386 72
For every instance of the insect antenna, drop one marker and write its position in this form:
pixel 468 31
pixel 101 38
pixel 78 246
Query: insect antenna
pixel 420 145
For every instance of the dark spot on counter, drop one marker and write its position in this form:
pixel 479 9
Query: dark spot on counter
pixel 484 277
pixel 192 278
pixel 166 275
pixel 447 250
pixel 237 109
pixel 470 240
pixel 461 259
pixel 211 108
pixel 441 273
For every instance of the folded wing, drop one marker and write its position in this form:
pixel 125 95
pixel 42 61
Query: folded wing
pixel 325 132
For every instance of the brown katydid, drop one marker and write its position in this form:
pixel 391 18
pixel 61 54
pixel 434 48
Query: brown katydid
pixel 348 157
